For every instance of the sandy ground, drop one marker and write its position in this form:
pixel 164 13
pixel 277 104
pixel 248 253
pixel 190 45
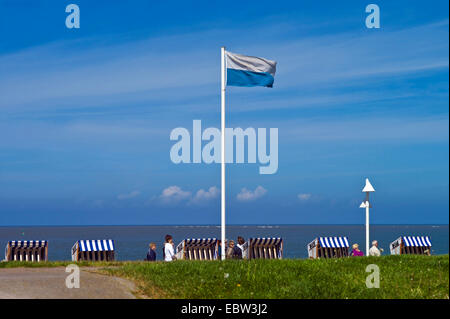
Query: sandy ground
pixel 50 283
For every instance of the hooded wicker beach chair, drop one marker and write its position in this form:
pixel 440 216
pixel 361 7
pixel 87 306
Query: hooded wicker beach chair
pixel 417 245
pixel 27 250
pixel 263 248
pixel 93 250
pixel 198 249
pixel 328 247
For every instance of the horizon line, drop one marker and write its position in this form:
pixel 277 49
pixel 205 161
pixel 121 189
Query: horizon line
pixel 218 225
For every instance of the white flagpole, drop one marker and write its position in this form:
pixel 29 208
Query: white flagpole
pixel 367 227
pixel 222 187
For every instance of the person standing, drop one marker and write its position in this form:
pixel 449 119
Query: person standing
pixel 230 250
pixel 374 250
pixel 355 251
pixel 151 254
pixel 169 250
pixel 237 252
pixel 240 245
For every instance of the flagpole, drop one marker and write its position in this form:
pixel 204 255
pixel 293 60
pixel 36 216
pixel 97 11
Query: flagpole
pixel 222 187
pixel 367 226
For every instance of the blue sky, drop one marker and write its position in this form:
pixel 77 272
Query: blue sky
pixel 85 114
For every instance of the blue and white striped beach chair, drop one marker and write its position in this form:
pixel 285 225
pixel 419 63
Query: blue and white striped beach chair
pixel 263 248
pixel 198 249
pixel 27 250
pixel 418 245
pixel 93 250
pixel 328 247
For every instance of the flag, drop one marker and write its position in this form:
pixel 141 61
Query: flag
pixel 245 70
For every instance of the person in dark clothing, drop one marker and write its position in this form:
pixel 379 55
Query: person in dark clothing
pixel 233 252
pixel 237 253
pixel 240 245
pixel 151 254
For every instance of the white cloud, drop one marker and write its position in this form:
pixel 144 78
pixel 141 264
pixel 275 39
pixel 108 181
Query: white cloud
pixel 128 195
pixel 248 195
pixel 119 66
pixel 203 196
pixel 304 197
pixel 174 194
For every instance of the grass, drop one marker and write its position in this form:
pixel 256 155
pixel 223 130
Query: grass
pixel 400 277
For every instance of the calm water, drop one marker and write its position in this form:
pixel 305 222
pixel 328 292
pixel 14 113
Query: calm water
pixel 132 241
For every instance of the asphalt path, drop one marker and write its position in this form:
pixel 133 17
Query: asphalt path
pixel 50 283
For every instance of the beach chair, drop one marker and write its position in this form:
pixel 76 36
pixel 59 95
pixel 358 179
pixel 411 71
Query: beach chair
pixel 93 250
pixel 328 247
pixel 263 248
pixel 27 250
pixel 198 249
pixel 416 245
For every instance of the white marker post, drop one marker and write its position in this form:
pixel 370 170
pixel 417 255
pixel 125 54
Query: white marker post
pixel 222 187
pixel 367 226
pixel 366 204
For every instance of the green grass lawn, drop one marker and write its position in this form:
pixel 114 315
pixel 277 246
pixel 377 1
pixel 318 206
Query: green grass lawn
pixel 400 277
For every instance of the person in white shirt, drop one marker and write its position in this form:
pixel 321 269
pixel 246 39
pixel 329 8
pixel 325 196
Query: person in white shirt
pixel 240 244
pixel 374 250
pixel 169 251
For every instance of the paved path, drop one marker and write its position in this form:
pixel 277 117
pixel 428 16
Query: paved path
pixel 50 283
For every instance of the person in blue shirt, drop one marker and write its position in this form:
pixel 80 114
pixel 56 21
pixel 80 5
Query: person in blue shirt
pixel 151 254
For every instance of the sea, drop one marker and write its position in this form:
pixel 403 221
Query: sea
pixel 131 242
